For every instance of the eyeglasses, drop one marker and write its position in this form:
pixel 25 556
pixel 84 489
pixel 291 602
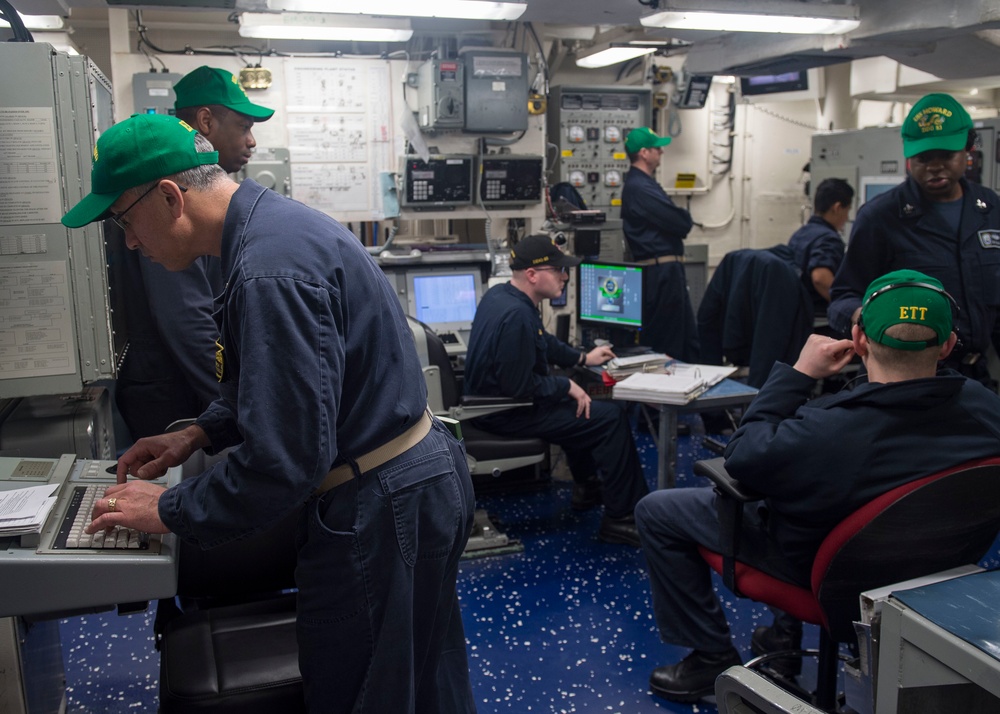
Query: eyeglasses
pixel 564 271
pixel 119 218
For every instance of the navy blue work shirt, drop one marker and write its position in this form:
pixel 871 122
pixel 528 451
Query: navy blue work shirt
pixel 652 223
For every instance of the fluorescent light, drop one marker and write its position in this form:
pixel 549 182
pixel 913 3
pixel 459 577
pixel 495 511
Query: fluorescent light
pixel 612 55
pixel 38 22
pixel 320 26
pixel 775 16
pixel 459 9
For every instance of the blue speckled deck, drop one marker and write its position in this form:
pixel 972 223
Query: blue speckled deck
pixel 565 626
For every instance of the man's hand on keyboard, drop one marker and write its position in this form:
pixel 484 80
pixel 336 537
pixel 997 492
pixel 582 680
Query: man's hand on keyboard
pixel 150 458
pixel 131 505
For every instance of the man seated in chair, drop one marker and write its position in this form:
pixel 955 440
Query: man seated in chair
pixel 509 356
pixel 815 462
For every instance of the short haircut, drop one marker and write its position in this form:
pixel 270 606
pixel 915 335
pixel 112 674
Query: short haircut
pixel 830 192
pixel 910 360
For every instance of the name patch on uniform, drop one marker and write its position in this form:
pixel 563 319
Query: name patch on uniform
pixel 989 239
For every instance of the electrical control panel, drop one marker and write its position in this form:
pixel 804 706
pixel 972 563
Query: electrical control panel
pixel 153 92
pixel 589 125
pixel 441 94
pixel 507 180
pixel 496 91
pixel 439 182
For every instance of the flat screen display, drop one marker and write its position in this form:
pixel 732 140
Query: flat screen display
pixel 610 294
pixel 446 301
pixel 774 83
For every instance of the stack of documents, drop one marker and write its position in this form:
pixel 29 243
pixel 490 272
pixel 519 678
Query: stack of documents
pixel 621 367
pixel 684 383
pixel 24 510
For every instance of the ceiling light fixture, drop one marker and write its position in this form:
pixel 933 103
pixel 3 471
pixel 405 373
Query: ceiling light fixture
pixel 593 58
pixel 458 9
pixel 39 22
pixel 779 16
pixel 322 26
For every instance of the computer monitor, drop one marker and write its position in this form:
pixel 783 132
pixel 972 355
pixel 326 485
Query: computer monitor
pixel 445 299
pixel 610 294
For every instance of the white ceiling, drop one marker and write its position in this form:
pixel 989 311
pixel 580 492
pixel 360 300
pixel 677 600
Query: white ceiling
pixel 953 39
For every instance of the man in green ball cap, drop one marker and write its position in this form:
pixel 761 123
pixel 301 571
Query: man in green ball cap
pixel 323 405
pixel 814 461
pixel 939 222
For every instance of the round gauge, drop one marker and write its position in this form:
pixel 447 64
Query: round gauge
pixel 577 179
pixel 612 178
pixel 612 134
pixel 577 135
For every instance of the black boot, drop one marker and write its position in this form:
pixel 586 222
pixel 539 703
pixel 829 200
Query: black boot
pixel 619 530
pixel 586 494
pixel 694 676
pixel 785 633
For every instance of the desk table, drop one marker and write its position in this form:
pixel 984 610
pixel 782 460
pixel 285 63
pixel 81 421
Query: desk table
pixel 939 648
pixel 727 393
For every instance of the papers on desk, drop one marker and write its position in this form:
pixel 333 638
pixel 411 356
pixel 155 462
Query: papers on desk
pixel 683 383
pixel 24 510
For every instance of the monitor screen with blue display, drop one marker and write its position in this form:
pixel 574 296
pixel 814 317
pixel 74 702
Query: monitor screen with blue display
pixel 445 300
pixel 610 294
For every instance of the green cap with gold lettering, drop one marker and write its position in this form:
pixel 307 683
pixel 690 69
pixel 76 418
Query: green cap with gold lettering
pixel 906 296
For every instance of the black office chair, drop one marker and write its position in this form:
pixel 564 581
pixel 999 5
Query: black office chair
pixel 935 523
pixel 227 642
pixel 489 454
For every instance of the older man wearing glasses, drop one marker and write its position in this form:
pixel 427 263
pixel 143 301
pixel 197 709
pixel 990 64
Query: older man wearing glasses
pixel 509 356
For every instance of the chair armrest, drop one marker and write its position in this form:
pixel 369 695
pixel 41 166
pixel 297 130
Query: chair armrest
pixel 729 506
pixel 726 485
pixel 473 406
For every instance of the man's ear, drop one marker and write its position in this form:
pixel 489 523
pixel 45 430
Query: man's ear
pixel 174 197
pixel 204 121
pixel 860 340
pixel 948 346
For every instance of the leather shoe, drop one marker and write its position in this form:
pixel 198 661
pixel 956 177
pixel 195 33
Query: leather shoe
pixel 694 676
pixel 586 495
pixel 777 638
pixel 619 530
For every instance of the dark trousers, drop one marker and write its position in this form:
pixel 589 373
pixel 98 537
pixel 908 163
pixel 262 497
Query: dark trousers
pixel 672 524
pixel 668 323
pixel 379 627
pixel 600 446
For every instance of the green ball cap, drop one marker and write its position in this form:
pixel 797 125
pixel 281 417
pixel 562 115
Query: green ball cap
pixel 143 148
pixel 935 123
pixel 906 296
pixel 211 85
pixel 644 138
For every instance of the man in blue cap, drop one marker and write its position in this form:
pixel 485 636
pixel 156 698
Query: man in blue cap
pixel 937 222
pixel 655 229
pixel 815 462
pixel 322 402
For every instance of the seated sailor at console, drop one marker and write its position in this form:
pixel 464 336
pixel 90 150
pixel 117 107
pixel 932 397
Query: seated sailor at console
pixel 815 462
pixel 509 356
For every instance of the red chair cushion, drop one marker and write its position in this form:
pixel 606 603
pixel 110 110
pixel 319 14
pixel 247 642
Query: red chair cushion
pixel 761 587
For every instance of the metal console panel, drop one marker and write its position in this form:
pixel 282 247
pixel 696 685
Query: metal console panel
pixel 41 580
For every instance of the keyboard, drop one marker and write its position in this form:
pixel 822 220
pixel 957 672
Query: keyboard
pixel 78 514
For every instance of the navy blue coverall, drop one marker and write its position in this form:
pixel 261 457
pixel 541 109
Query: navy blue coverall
pixel 509 356
pixel 815 462
pixel 655 227
pixel 817 244
pixel 318 367
pixel 898 230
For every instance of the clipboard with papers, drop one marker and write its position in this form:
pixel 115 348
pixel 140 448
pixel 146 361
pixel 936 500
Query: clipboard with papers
pixel 680 384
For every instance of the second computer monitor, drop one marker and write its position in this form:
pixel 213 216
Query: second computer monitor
pixel 444 299
pixel 610 294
